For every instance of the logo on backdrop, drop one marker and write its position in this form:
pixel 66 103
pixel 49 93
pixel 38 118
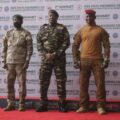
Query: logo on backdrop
pixel 115 35
pixel 115 73
pixel 115 55
pixel 115 92
pixel 115 16
pixel 6 27
pixel 6 8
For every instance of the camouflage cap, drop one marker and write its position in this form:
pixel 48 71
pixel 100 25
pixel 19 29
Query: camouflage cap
pixel 54 12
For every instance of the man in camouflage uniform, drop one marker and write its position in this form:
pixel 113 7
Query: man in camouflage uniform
pixel 92 39
pixel 52 41
pixel 16 54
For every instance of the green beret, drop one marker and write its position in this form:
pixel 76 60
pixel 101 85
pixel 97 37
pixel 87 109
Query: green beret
pixel 54 12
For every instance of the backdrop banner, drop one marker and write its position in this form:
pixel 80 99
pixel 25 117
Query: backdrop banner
pixel 72 15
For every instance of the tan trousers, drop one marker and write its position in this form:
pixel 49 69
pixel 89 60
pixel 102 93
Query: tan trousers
pixel 88 66
pixel 16 71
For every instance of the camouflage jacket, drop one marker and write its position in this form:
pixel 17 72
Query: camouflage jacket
pixel 53 39
pixel 17 46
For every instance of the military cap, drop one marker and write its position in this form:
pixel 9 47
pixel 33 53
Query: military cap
pixel 54 12
pixel 18 16
pixel 90 11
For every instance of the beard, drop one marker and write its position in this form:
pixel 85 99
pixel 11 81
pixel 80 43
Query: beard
pixel 17 25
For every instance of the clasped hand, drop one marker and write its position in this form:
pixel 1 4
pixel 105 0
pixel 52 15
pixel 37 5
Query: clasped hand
pixel 50 56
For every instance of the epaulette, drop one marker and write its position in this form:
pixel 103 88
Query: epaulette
pixel 60 26
pixel 26 31
pixel 11 30
pixel 44 26
pixel 8 32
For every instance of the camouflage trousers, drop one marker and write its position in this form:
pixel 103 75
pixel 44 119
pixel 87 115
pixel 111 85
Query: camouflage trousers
pixel 59 67
pixel 13 71
pixel 94 66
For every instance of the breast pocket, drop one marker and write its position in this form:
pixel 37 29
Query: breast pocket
pixel 10 41
pixel 60 34
pixel 21 41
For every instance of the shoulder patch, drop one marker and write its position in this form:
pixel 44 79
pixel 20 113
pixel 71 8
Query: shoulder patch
pixel 60 26
pixel 44 26
pixel 9 32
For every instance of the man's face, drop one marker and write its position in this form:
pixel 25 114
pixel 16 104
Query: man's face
pixel 90 18
pixel 52 18
pixel 17 22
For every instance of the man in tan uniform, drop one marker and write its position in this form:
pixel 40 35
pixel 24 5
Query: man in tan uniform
pixel 91 39
pixel 16 54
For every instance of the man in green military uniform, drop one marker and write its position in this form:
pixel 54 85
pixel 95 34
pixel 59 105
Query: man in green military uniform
pixel 52 42
pixel 16 54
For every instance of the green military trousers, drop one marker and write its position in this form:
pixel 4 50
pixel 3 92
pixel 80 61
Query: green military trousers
pixel 59 67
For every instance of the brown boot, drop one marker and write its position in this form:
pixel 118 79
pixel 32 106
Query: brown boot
pixel 101 110
pixel 9 108
pixel 21 107
pixel 82 110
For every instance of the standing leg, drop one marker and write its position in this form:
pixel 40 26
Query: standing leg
pixel 85 72
pixel 60 73
pixel 45 74
pixel 100 83
pixel 21 76
pixel 11 76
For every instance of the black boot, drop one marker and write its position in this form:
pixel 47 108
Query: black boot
pixel 62 106
pixel 42 108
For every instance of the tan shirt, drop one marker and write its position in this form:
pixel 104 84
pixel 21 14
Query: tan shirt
pixel 91 39
pixel 17 46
